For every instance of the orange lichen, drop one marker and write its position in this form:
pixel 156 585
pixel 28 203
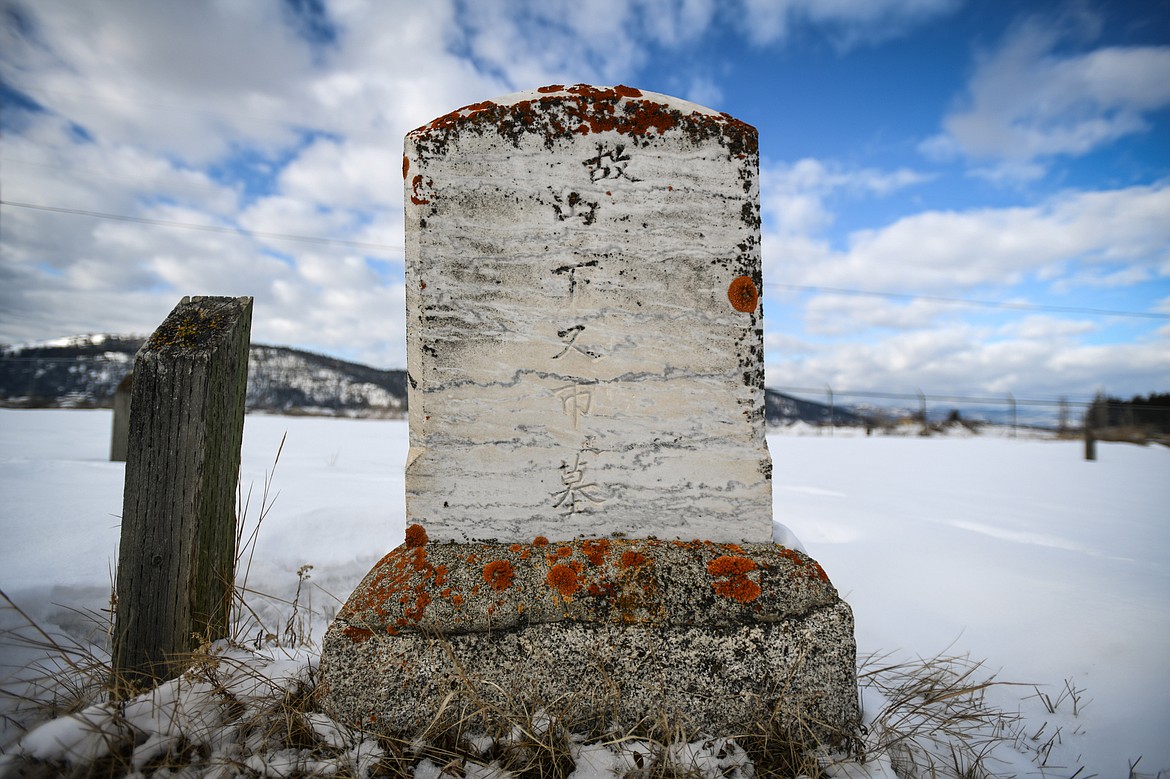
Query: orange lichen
pixel 357 635
pixel 563 578
pixel 633 559
pixel 738 588
pixel 733 580
pixel 805 566
pixel 726 565
pixel 499 574
pixel 559 112
pixel 416 184
pixel 521 549
pixel 540 541
pixel 596 551
pixel 421 601
pixel 560 553
pixel 743 294
pixel 405 166
pixel 416 536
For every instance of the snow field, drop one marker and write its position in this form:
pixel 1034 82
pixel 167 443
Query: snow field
pixel 1017 551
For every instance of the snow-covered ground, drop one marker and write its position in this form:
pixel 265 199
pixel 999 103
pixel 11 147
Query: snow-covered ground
pixel 1015 550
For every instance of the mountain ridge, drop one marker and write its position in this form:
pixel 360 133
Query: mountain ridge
pixel 84 371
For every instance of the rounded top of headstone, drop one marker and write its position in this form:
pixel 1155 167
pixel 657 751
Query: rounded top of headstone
pixel 559 111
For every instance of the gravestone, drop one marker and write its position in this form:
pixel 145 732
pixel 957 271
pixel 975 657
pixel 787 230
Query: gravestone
pixel 588 485
pixel 584 326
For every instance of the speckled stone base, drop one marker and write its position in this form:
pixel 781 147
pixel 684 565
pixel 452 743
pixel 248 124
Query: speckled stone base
pixel 602 633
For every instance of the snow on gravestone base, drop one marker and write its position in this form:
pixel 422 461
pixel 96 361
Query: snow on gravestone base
pixel 584 329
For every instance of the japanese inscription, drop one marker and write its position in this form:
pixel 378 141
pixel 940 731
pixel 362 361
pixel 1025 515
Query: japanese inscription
pixel 583 345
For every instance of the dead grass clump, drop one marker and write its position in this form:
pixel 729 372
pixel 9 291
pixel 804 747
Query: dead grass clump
pixel 934 719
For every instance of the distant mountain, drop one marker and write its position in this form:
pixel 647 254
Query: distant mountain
pixel 781 409
pixel 84 371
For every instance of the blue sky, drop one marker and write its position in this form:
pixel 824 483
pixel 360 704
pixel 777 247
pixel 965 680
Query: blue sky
pixel 913 153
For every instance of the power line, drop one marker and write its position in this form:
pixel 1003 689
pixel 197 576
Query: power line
pixel 969 302
pixel 205 228
pixel 1005 399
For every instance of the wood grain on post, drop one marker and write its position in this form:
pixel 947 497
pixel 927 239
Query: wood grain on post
pixel 176 564
pixel 120 434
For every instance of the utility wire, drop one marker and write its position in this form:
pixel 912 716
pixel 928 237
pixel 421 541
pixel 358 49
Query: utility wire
pixel 1002 400
pixel 969 302
pixel 203 227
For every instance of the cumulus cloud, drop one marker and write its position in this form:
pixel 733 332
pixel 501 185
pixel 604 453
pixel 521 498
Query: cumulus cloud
pixel 1028 101
pixel 244 116
pixel 1068 243
pixel 968 360
pixel 795 195
pixel 1112 231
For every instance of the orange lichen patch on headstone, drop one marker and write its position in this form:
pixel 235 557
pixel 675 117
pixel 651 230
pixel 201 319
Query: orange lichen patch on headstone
pixel 416 184
pixel 561 553
pixel 539 541
pixel 728 565
pixel 421 601
pixel 563 578
pixel 732 580
pixel 405 166
pixel 596 551
pixel 632 559
pixel 560 112
pixel 806 566
pixel 416 536
pixel 499 574
pixel 743 294
pixel 403 576
pixel 738 588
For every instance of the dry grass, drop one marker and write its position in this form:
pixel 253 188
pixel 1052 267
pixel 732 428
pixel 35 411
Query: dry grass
pixel 933 719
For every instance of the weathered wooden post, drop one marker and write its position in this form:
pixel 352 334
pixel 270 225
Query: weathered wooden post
pixel 120 434
pixel 176 564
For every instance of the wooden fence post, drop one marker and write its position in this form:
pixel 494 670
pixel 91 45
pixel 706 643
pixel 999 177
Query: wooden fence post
pixel 120 434
pixel 176 563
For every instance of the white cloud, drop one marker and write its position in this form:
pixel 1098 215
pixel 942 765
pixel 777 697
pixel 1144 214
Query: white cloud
pixel 836 315
pixel 952 251
pixel 1044 361
pixel 793 196
pixel 181 109
pixel 1027 101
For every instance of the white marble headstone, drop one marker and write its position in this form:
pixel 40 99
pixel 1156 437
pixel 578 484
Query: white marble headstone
pixel 584 327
